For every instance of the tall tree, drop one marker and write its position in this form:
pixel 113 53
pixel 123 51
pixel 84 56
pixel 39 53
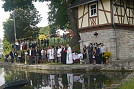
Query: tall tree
pixel 26 21
pixel 45 30
pixel 59 9
pixel 62 16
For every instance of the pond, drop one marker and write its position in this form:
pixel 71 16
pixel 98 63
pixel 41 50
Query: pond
pixel 62 79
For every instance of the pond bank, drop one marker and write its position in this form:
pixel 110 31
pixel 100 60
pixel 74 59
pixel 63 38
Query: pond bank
pixel 112 66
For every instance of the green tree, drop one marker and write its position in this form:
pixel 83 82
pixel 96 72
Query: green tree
pixel 45 30
pixel 59 9
pixel 26 21
pixel 8 30
pixel 6 46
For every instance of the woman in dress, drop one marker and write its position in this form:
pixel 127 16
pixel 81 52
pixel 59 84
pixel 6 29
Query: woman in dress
pixel 93 55
pixel 85 54
pixel 43 55
pixel 59 54
pixel 51 54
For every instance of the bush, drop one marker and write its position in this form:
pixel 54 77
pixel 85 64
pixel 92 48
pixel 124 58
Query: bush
pixel 76 48
pixel 107 54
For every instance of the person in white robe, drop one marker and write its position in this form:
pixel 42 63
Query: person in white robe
pixel 70 81
pixel 69 59
pixel 51 54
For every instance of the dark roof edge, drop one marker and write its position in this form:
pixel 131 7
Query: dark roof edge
pixel 82 4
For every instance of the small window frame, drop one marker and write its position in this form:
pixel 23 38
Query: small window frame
pixel 92 9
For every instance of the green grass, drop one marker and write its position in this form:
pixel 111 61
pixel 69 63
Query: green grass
pixel 53 63
pixel 60 64
pixel 127 85
pixel 2 59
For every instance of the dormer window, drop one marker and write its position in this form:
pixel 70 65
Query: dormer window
pixel 93 9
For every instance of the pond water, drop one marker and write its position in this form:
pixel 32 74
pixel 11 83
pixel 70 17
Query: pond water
pixel 62 79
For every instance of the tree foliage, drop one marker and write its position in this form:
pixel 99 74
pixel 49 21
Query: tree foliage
pixel 6 46
pixel 60 14
pixel 25 20
pixel 10 5
pixel 45 30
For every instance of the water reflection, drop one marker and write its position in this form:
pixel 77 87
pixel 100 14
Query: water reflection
pixel 92 80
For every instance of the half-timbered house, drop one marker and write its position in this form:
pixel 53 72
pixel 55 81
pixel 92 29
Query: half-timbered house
pixel 107 21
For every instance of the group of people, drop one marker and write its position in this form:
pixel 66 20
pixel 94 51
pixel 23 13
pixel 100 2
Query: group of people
pixel 94 52
pixel 25 44
pixel 60 54
pixel 34 55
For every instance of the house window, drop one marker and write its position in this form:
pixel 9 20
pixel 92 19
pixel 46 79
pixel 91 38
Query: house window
pixel 93 10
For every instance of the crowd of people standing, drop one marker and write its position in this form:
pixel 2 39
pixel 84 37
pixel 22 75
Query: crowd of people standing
pixel 58 54
pixel 35 55
pixel 94 52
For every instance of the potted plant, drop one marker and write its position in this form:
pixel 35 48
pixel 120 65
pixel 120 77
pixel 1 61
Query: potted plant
pixel 107 55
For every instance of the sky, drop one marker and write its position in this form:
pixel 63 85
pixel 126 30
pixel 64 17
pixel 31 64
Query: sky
pixel 41 7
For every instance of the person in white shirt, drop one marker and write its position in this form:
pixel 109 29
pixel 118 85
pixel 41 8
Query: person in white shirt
pixel 59 54
pixel 103 50
pixel 51 54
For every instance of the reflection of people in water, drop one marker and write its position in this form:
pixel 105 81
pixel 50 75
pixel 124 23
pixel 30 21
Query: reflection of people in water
pixel 64 81
pixel 82 81
pixel 60 82
pixel 70 81
pixel 52 81
pixel 95 83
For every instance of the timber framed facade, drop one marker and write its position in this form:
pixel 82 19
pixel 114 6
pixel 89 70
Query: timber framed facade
pixel 111 19
pixel 122 14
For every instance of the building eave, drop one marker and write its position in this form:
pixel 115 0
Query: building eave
pixel 81 3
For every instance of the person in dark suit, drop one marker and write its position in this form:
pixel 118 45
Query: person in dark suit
pixel 12 56
pixel 63 54
pixel 22 56
pixel 16 56
pixel 30 53
pixel 90 51
pixel 36 54
pixel 98 60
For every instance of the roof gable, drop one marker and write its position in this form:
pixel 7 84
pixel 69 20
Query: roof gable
pixel 81 2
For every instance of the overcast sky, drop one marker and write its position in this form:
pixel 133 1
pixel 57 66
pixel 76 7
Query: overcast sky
pixel 41 7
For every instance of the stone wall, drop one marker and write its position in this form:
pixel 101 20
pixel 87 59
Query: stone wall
pixel 125 42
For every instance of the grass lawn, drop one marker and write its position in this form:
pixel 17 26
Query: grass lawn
pixel 127 85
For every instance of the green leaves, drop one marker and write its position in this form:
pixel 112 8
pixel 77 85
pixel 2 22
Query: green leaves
pixel 25 23
pixel 58 14
pixel 10 5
